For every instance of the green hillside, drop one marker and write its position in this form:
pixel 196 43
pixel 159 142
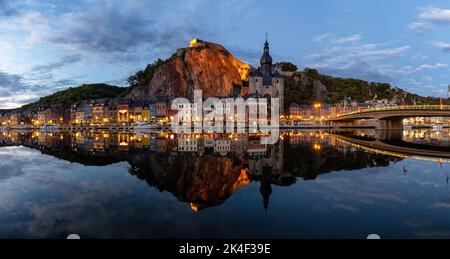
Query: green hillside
pixel 299 88
pixel 75 94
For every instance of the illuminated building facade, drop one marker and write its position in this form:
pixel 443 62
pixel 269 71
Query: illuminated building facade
pixel 266 83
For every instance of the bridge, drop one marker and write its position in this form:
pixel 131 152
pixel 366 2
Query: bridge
pixel 390 117
pixel 399 149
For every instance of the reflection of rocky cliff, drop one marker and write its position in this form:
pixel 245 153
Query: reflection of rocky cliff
pixel 201 181
pixel 203 66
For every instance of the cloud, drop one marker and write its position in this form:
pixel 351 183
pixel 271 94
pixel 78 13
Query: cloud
pixel 420 26
pixel 427 79
pixel 443 203
pixel 418 56
pixel 47 68
pixel 435 14
pixel 14 91
pixel 358 69
pixel 349 39
pixel 332 39
pixel 12 163
pixel 355 60
pixel 322 37
pixel 10 84
pixel 438 65
pixel 250 56
pixel 359 52
pixel 409 69
pixel 442 45
pixel 116 28
pixel 430 15
pixel 6 9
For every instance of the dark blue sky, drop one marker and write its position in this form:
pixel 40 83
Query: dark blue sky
pixel 50 45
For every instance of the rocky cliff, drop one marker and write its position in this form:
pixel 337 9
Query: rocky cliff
pixel 203 66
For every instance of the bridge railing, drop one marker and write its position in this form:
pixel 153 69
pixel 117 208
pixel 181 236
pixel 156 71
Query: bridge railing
pixel 394 108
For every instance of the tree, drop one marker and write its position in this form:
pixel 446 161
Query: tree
pixel 288 67
pixel 143 77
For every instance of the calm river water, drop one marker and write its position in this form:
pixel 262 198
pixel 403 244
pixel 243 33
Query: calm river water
pixel 309 185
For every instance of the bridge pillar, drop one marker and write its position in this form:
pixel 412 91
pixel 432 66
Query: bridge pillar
pixel 389 125
pixel 389 134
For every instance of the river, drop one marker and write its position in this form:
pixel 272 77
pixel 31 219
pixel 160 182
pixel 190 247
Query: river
pixel 310 184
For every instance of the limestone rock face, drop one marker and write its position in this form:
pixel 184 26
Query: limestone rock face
pixel 169 80
pixel 207 66
pixel 319 90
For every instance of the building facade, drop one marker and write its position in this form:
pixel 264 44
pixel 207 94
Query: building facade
pixel 263 82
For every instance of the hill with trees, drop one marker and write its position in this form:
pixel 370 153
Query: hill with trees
pixel 308 86
pixel 76 94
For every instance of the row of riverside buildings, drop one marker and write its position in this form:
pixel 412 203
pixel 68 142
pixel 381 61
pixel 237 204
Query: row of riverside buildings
pixel 100 112
pixel 320 110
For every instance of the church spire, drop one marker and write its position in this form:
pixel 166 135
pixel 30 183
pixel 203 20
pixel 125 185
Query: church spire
pixel 266 60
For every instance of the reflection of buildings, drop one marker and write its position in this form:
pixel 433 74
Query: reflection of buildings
pixel 427 136
pixel 187 144
pixel 203 170
pixel 266 168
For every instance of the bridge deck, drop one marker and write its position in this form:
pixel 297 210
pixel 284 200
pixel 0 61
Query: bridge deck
pixel 397 151
pixel 396 112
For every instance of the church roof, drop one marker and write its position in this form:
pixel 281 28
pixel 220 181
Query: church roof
pixel 256 73
pixel 266 59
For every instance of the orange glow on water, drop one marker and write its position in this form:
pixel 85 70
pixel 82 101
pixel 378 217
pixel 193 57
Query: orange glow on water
pixel 194 207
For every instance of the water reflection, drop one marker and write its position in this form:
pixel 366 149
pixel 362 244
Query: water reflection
pixel 202 171
pixel 205 170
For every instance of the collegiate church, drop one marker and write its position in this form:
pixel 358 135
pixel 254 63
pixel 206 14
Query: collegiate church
pixel 264 82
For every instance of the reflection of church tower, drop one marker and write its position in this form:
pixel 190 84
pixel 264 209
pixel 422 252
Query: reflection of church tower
pixel 266 187
pixel 267 169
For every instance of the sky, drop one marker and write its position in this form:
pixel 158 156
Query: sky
pixel 47 46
